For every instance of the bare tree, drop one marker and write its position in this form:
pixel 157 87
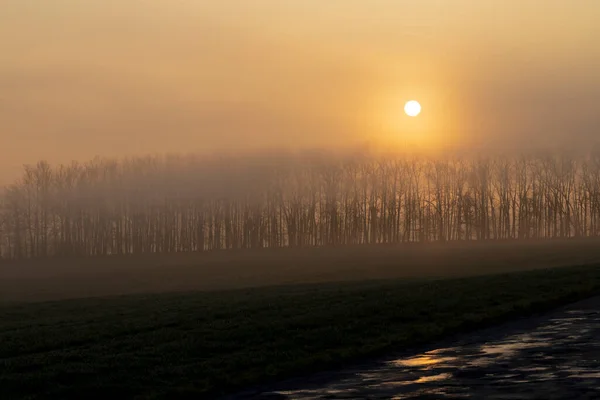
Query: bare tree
pixel 185 204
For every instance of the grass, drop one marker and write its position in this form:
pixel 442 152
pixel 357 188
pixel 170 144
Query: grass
pixel 60 279
pixel 197 345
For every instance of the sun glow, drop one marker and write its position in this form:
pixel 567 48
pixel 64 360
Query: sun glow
pixel 412 108
pixel 394 129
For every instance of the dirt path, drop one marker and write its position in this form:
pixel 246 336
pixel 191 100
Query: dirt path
pixel 555 356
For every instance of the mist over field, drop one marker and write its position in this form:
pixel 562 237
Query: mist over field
pixel 284 199
pixel 160 127
pixel 200 197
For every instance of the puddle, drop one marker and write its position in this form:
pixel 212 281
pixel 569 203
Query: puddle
pixel 561 353
pixel 434 378
pixel 422 361
pixel 509 348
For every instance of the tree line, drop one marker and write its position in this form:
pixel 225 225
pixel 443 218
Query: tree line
pixel 192 203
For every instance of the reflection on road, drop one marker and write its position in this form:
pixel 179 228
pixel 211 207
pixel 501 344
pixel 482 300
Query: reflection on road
pixel 557 358
pixel 424 361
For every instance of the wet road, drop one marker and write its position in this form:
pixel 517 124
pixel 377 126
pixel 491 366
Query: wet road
pixel 555 356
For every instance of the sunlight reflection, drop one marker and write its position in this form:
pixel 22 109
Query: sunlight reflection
pixel 528 360
pixel 434 378
pixel 422 361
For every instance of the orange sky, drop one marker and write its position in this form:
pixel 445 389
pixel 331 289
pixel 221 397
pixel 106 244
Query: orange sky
pixel 119 77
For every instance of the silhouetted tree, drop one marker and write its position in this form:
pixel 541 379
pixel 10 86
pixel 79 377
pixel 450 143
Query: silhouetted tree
pixel 191 204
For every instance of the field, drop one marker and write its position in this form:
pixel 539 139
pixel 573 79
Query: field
pixel 204 344
pixel 41 280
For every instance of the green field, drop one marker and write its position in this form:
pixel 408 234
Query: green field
pixel 206 344
pixel 72 278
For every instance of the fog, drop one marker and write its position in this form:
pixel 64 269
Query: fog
pixel 123 78
pixel 203 196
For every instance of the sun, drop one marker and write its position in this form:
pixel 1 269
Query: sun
pixel 412 108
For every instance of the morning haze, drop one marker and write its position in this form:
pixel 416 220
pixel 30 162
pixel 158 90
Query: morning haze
pixel 202 198
pixel 112 78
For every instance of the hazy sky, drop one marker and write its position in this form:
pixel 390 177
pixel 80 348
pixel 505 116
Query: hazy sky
pixel 115 77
